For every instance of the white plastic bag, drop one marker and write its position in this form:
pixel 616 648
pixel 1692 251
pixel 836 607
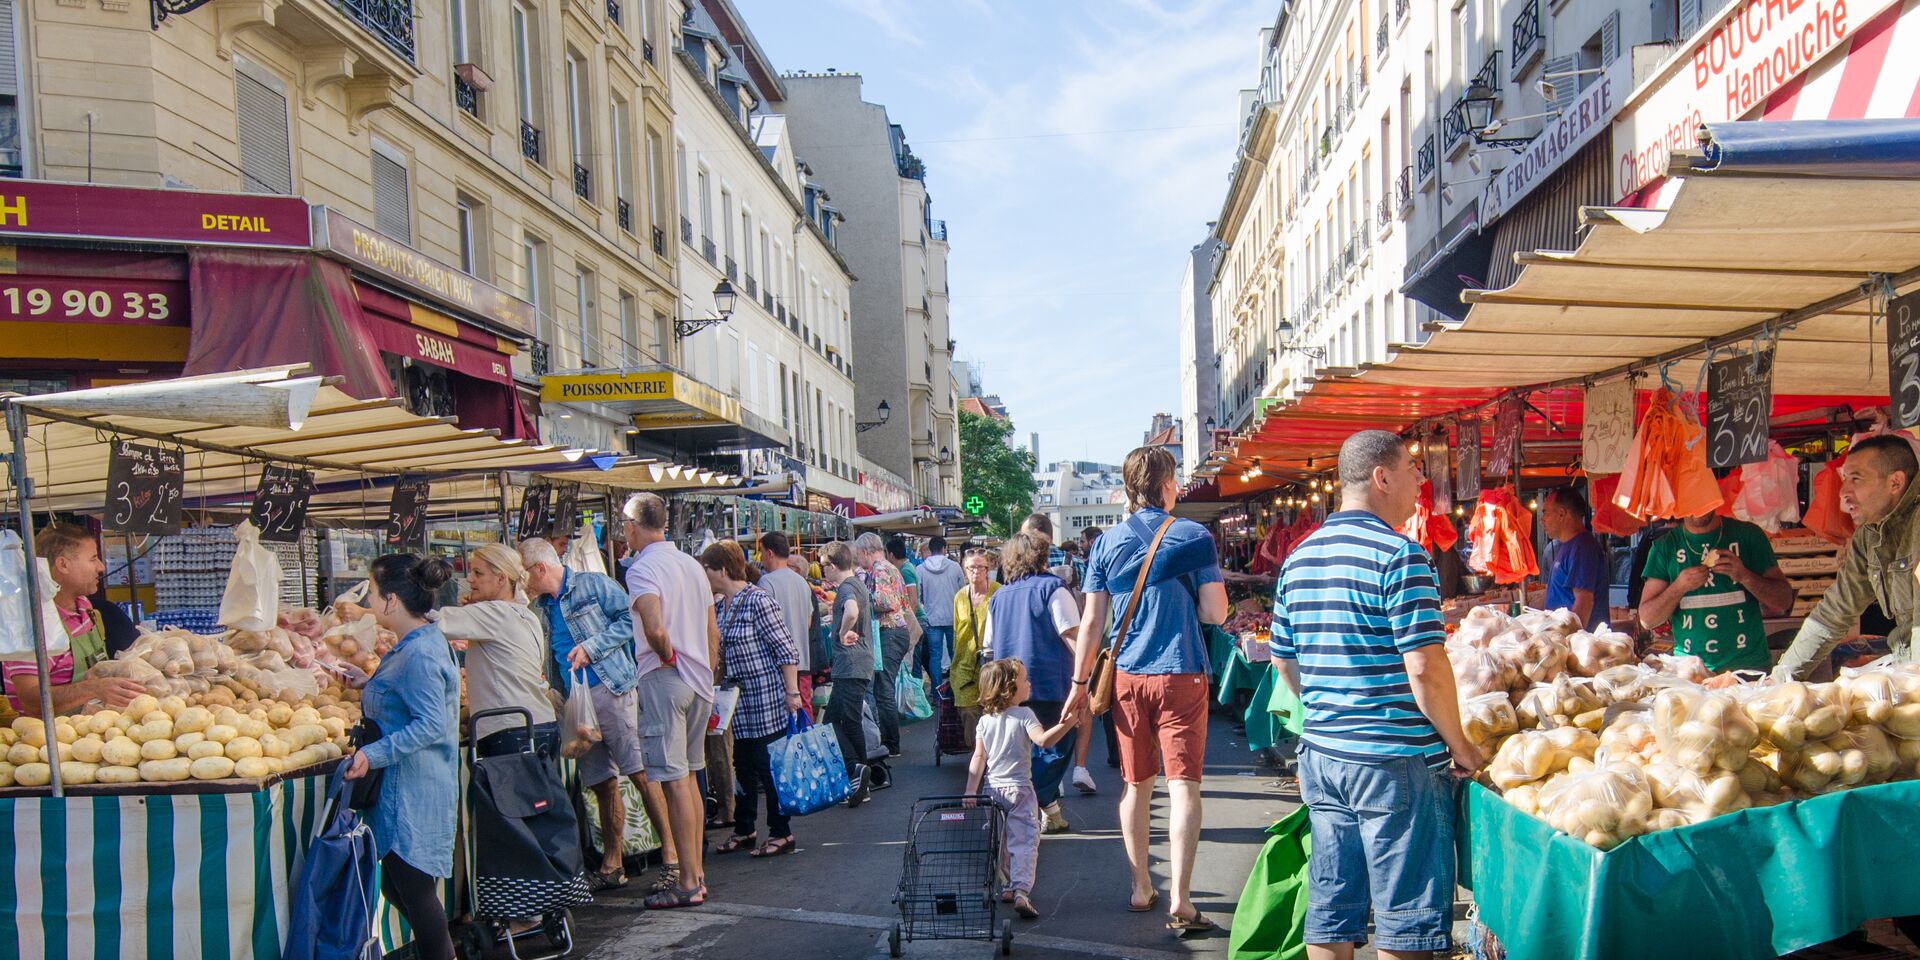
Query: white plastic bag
pixel 16 625
pixel 583 553
pixel 579 724
pixel 252 598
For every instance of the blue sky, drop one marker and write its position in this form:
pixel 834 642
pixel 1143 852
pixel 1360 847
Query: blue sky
pixel 1076 151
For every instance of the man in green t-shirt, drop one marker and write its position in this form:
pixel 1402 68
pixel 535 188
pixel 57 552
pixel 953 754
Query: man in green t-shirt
pixel 1710 578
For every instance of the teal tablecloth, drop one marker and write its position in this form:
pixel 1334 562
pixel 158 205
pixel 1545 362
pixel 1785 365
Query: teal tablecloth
pixel 1272 704
pixel 1745 886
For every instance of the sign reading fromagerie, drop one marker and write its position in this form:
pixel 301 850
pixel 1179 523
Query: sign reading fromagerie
pixel 1565 134
pixel 378 254
pixel 1742 57
pixel 92 211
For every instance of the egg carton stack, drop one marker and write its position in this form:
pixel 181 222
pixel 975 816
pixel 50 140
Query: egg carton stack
pixel 190 568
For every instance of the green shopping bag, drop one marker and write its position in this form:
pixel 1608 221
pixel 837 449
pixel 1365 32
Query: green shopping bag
pixel 1270 921
pixel 1286 705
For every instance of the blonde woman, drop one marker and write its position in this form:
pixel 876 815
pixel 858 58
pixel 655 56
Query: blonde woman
pixel 506 653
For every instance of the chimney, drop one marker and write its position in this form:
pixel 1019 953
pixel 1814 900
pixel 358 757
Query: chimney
pixel 1035 444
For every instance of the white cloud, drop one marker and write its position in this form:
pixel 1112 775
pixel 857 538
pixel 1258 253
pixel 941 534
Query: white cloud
pixel 885 15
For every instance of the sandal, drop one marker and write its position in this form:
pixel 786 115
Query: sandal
pixel 600 880
pixel 667 879
pixel 1184 928
pixel 1024 907
pixel 776 847
pixel 1152 898
pixel 676 897
pixel 739 841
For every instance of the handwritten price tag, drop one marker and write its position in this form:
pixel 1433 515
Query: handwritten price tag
pixel 280 503
pixel 144 489
pixel 1739 404
pixel 407 514
pixel 1903 360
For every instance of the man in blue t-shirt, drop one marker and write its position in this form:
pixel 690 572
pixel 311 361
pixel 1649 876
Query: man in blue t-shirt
pixel 1577 576
pixel 1160 682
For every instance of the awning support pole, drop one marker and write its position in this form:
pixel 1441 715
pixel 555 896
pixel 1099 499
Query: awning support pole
pixel 23 498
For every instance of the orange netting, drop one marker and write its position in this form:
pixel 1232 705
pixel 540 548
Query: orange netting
pixel 1433 532
pixel 1666 473
pixel 1501 533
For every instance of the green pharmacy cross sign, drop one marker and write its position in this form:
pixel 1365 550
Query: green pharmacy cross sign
pixel 976 505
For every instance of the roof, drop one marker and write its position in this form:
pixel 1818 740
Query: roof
pixel 978 408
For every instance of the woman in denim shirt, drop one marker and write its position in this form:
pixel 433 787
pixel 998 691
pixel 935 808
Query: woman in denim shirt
pixel 414 698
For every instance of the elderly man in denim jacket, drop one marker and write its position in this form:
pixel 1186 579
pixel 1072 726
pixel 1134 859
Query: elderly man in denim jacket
pixel 590 631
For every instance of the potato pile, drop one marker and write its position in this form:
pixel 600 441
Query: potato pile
pixel 170 739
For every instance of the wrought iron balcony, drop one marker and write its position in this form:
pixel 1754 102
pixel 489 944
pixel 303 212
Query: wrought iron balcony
pixel 530 141
pixel 733 269
pixel 1427 160
pixel 708 250
pixel 1403 186
pixel 1400 8
pixel 1382 35
pixel 753 287
pixel 646 50
pixel 686 231
pixel 623 212
pixel 1526 32
pixel 1384 211
pixel 1486 83
pixel 465 96
pixel 780 312
pixel 937 229
pixel 1454 126
pixel 390 21
pixel 659 242
pixel 766 299
pixel 540 358
pixel 613 11
pixel 582 182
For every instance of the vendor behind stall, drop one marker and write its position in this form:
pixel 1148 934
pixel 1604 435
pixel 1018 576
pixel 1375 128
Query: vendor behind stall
pixel 1709 579
pixel 1577 576
pixel 73 557
pixel 1877 490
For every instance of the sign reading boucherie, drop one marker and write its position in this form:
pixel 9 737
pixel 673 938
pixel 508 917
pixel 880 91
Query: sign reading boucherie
pixel 95 212
pixel 1741 58
pixel 381 255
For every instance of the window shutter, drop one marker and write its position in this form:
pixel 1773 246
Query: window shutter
pixel 392 214
pixel 1689 18
pixel 1610 39
pixel 9 80
pixel 1565 88
pixel 266 150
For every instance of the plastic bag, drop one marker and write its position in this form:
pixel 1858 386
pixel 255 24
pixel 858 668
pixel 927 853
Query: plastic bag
pixel 1269 919
pixel 1700 797
pixel 1857 756
pixel 1487 718
pixel 252 598
pixel 1703 730
pixel 579 724
pixel 1886 694
pixel 16 622
pixel 1603 803
pixel 1666 473
pixel 1543 656
pixel 1480 626
pixel 1789 714
pixel 1679 666
pixel 809 772
pixel 1769 490
pixel 1599 649
pixel 1567 701
pixel 1532 755
pixel 1630 738
pixel 910 692
pixel 583 551
pixel 1824 516
pixel 1479 670
pixel 1608 517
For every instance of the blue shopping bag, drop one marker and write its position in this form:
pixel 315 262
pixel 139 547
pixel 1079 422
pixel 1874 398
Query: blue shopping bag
pixel 809 774
pixel 331 908
pixel 910 693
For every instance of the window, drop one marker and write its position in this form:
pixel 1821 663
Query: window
pixel 526 61
pixel 586 303
pixel 579 127
pixel 534 254
pixel 726 222
pixel 623 161
pixel 751 387
pixel 464 30
pixel 786 415
pixel 706 204
pixel 470 217
pixel 392 206
pixel 631 349
pixel 656 179
pixel 746 243
pixel 260 115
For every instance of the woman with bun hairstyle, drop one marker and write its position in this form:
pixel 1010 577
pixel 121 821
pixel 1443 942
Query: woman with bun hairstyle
pixel 413 698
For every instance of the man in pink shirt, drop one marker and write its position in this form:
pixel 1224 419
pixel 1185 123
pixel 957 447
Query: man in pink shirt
pixel 73 557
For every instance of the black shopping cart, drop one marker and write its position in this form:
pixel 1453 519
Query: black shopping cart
pixel 951 875
pixel 530 866
pixel 950 737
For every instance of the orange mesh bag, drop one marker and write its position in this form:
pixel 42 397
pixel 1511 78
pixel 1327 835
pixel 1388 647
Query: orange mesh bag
pixel 1824 515
pixel 1501 534
pixel 1666 473
pixel 1434 532
pixel 1608 518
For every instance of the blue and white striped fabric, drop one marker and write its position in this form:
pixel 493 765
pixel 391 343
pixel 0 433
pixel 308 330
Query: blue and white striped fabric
pixel 1353 598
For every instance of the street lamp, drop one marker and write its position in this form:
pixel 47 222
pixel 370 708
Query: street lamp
pixel 724 297
pixel 862 426
pixel 946 455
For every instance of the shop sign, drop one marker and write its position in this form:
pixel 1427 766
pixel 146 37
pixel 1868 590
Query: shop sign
pixel 1739 404
pixel 583 431
pixel 1607 434
pixel 697 403
pixel 884 495
pixel 39 208
pixel 845 507
pixel 383 257
pixel 1585 117
pixel 1741 58
pixel 1903 360
pixel 441 351
pixel 144 488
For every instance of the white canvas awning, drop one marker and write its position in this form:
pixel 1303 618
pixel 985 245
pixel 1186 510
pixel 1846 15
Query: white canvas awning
pixel 641 473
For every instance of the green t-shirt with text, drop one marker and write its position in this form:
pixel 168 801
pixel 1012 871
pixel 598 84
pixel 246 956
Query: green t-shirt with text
pixel 1720 622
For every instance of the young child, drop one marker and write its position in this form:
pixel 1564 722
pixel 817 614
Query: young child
pixel 1003 753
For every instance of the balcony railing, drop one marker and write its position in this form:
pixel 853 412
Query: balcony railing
pixel 613 11
pixel 937 230
pixel 540 358
pixel 1486 83
pixel 465 96
pixel 733 269
pixel 1403 186
pixel 1526 32
pixel 530 141
pixel 390 21
pixel 753 287
pixel 1454 126
pixel 766 299
pixel 623 212
pixel 659 242
pixel 708 250
pixel 582 182
pixel 1427 159
pixel 1384 211
pixel 686 231
pixel 1400 8
pixel 780 312
pixel 1381 37
pixel 646 50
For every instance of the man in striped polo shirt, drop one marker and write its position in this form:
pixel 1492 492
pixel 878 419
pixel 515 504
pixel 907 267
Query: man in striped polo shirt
pixel 1357 633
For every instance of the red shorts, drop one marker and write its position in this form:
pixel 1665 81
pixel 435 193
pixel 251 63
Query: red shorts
pixel 1161 718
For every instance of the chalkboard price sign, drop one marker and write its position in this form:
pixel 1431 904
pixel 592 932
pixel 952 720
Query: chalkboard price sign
pixel 533 511
pixel 280 503
pixel 1739 403
pixel 144 485
pixel 1903 360
pixel 566 510
pixel 407 515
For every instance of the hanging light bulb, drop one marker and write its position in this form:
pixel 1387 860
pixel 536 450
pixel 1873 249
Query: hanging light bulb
pixel 1533 504
pixel 1459 511
pixel 1414 448
pixel 1315 498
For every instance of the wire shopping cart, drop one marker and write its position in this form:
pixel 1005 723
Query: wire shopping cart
pixel 951 874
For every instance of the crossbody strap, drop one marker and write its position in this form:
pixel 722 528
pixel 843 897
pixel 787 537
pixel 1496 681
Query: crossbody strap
pixel 1140 585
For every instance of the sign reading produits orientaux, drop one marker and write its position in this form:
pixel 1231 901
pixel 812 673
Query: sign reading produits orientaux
pixel 1583 119
pixel 1742 57
pixel 369 250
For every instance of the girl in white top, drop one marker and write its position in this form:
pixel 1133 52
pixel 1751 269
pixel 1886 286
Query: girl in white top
pixel 1003 754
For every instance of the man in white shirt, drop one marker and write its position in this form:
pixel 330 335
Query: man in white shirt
pixel 795 598
pixel 678 644
pixel 940 578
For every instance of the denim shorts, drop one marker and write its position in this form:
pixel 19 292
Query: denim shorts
pixel 1383 841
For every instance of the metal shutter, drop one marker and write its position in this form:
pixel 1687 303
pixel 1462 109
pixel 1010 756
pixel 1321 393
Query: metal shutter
pixel 266 150
pixel 392 213
pixel 9 78
pixel 1610 39
pixel 1690 12
pixel 1557 71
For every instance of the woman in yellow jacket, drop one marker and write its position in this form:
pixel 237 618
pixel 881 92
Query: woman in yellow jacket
pixel 969 617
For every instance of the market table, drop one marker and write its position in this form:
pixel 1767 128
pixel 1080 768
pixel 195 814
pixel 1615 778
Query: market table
pixel 1754 884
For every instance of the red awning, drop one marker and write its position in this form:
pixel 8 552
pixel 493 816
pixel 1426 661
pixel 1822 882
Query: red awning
pixel 389 321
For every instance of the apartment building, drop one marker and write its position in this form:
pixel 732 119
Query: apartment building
pixel 754 217
pixel 907 396
pixel 1077 494
pixel 501 166
pixel 1199 365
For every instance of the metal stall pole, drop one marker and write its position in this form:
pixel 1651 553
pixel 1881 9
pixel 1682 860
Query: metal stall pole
pixel 506 536
pixel 23 495
pixel 613 563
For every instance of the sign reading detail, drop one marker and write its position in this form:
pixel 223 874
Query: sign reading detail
pixel 407 514
pixel 144 485
pixel 1739 403
pixel 45 209
pixel 1903 360
pixel 280 503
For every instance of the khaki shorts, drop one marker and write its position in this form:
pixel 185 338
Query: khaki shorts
pixel 618 752
pixel 673 725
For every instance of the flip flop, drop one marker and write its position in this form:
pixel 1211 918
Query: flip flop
pixel 1152 898
pixel 1181 929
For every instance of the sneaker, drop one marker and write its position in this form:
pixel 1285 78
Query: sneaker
pixel 1052 820
pixel 860 792
pixel 1084 781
